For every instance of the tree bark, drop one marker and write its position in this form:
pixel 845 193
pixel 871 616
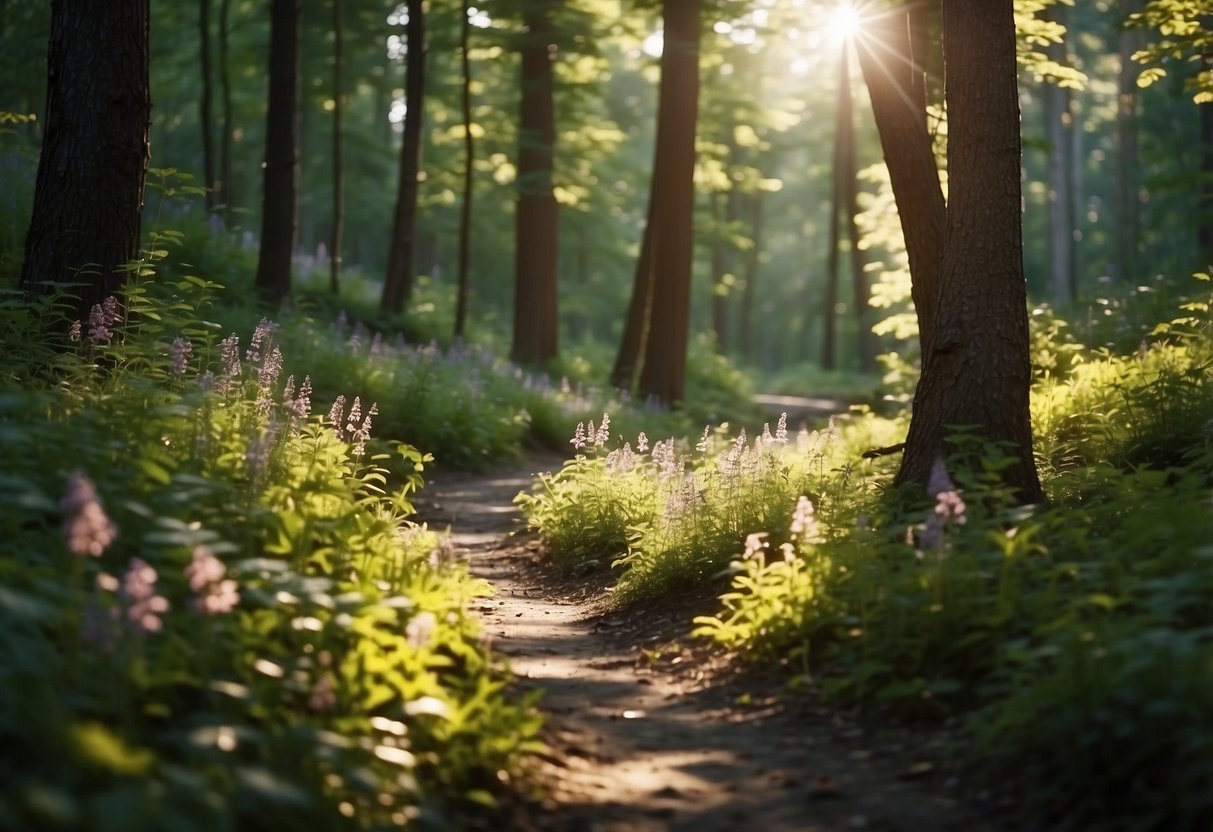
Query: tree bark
pixel 280 198
pixel 465 215
pixel 204 103
pixel 894 77
pixel 849 171
pixel 338 229
pixel 976 369
pixel 88 196
pixel 829 338
pixel 536 215
pixel 662 377
pixel 720 271
pixel 398 282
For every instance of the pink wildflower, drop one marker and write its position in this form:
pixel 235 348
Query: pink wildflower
pixel 216 594
pixel 180 353
pixel 87 528
pixel 138 593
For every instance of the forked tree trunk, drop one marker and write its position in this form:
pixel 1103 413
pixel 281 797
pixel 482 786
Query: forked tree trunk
pixel 536 216
pixel 280 197
pixel 894 76
pixel 402 257
pixel 465 214
pixel 976 368
pixel 88 196
pixel 662 378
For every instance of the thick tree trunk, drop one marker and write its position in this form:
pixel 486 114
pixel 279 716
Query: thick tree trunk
pixel 662 377
pixel 88 197
pixel 338 230
pixel 280 197
pixel 224 188
pixel 398 282
pixel 535 265
pixel 204 103
pixel 976 370
pixel 894 76
pixel 465 214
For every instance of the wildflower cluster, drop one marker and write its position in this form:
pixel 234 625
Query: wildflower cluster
pixel 949 510
pixel 86 527
pixel 215 593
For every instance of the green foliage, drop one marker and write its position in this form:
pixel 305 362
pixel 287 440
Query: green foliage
pixel 228 621
pixel 1183 36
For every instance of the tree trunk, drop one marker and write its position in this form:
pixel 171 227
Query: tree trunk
pixel 204 103
pixel 895 86
pixel 672 202
pixel 338 169
pixel 279 212
pixel 720 272
pixel 224 187
pixel 465 215
pixel 398 282
pixel 829 338
pixel 1059 123
pixel 88 196
pixel 976 369
pixel 1204 224
pixel 1128 213
pixel 536 216
pixel 849 171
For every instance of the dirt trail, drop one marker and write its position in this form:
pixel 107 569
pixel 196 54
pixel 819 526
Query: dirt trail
pixel 643 734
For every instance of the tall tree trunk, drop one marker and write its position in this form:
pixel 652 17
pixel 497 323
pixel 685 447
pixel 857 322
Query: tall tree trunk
pixel 204 103
pixel 1059 123
pixel 976 368
pixel 338 228
pixel 536 216
pixel 88 196
pixel 465 215
pixel 280 197
pixel 829 338
pixel 662 376
pixel 398 282
pixel 225 187
pixel 753 259
pixel 1128 213
pixel 849 171
pixel 893 74
pixel 720 271
pixel 1204 225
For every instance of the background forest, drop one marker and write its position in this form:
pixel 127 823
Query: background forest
pixel 460 232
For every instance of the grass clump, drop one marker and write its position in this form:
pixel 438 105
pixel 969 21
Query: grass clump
pixel 214 610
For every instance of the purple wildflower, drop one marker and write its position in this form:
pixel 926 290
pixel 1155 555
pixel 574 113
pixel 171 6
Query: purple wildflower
pixel 87 528
pixel 363 432
pixel 99 332
pixel 138 594
pixel 642 442
pixel 216 594
pixel 229 355
pixel 260 339
pixel 180 353
pixel 335 414
pixel 578 440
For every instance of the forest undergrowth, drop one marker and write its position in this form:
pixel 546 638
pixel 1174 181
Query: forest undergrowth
pixel 1070 643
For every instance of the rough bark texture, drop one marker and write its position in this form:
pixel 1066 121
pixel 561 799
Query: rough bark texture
pixel 88 198
pixel 338 230
pixel 204 103
pixel 280 198
pixel 536 216
pixel 976 370
pixel 398 282
pixel 469 156
pixel 672 202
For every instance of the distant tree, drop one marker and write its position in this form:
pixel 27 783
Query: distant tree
pixel 663 274
pixel 338 226
pixel 469 160
pixel 398 283
pixel 204 103
pixel 225 186
pixel 536 215
pixel 280 198
pixel 1063 220
pixel 88 198
pixel 749 275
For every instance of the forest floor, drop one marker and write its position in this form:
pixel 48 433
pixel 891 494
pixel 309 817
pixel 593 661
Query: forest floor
pixel 648 730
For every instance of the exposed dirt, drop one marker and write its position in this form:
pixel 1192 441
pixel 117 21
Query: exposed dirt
pixel 648 731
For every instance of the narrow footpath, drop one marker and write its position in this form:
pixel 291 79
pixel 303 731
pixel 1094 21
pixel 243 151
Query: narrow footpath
pixel 645 731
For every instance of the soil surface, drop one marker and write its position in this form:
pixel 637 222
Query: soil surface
pixel 648 730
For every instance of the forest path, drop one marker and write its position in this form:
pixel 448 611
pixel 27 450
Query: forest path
pixel 643 733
